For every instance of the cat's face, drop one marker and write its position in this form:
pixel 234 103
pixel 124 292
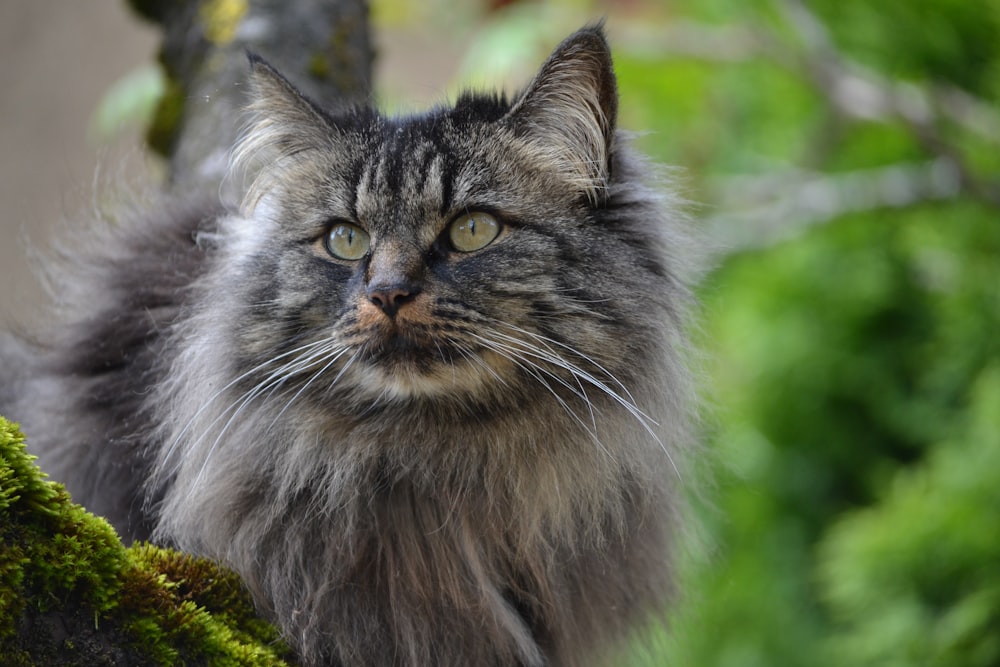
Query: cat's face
pixel 471 253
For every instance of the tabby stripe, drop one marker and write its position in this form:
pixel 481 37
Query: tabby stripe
pixel 447 184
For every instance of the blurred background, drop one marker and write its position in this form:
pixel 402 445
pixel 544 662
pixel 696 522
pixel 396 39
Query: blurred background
pixel 844 159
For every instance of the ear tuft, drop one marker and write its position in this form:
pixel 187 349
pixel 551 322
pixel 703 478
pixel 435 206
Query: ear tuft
pixel 282 125
pixel 568 112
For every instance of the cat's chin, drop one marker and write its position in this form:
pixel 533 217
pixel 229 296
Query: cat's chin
pixel 404 377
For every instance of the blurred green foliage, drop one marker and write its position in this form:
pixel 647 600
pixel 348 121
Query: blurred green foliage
pixel 846 156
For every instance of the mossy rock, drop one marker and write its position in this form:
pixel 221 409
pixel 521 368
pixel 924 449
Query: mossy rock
pixel 72 594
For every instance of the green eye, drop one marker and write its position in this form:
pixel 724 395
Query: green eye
pixel 347 241
pixel 473 231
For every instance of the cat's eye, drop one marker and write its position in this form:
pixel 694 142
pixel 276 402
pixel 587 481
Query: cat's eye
pixel 347 241
pixel 473 231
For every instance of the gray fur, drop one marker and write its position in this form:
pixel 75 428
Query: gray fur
pixel 490 476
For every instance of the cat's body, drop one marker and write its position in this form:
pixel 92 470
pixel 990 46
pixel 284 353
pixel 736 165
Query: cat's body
pixel 425 392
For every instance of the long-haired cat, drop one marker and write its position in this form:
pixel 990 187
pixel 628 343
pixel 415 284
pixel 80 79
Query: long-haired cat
pixel 424 389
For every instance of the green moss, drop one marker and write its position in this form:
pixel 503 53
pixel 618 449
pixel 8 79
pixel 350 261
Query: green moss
pixel 319 67
pixel 341 63
pixel 72 594
pixel 165 126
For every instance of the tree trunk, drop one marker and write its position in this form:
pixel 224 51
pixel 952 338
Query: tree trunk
pixel 323 46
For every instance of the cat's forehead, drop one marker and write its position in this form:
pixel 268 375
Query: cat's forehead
pixel 429 162
pixel 471 125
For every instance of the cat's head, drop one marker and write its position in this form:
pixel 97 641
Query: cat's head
pixel 495 248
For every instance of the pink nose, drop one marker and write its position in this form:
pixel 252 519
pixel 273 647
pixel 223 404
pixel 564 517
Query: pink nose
pixel 390 297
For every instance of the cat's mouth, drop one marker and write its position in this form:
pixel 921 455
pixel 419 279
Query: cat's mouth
pixel 416 355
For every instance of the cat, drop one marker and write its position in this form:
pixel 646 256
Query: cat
pixel 425 388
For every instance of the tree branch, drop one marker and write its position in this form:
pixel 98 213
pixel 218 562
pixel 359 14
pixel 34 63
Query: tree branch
pixel 758 211
pixel 860 93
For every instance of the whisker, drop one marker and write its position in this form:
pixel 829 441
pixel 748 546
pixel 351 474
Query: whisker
pixel 277 377
pixel 331 352
pixel 552 357
pixel 535 370
pixel 471 356
pixel 333 359
pixel 571 350
pixel 208 402
pixel 545 354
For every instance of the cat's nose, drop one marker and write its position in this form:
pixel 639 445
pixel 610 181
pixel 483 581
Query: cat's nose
pixel 390 297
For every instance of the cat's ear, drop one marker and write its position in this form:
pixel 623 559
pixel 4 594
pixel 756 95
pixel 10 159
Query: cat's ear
pixel 281 111
pixel 567 113
pixel 282 122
